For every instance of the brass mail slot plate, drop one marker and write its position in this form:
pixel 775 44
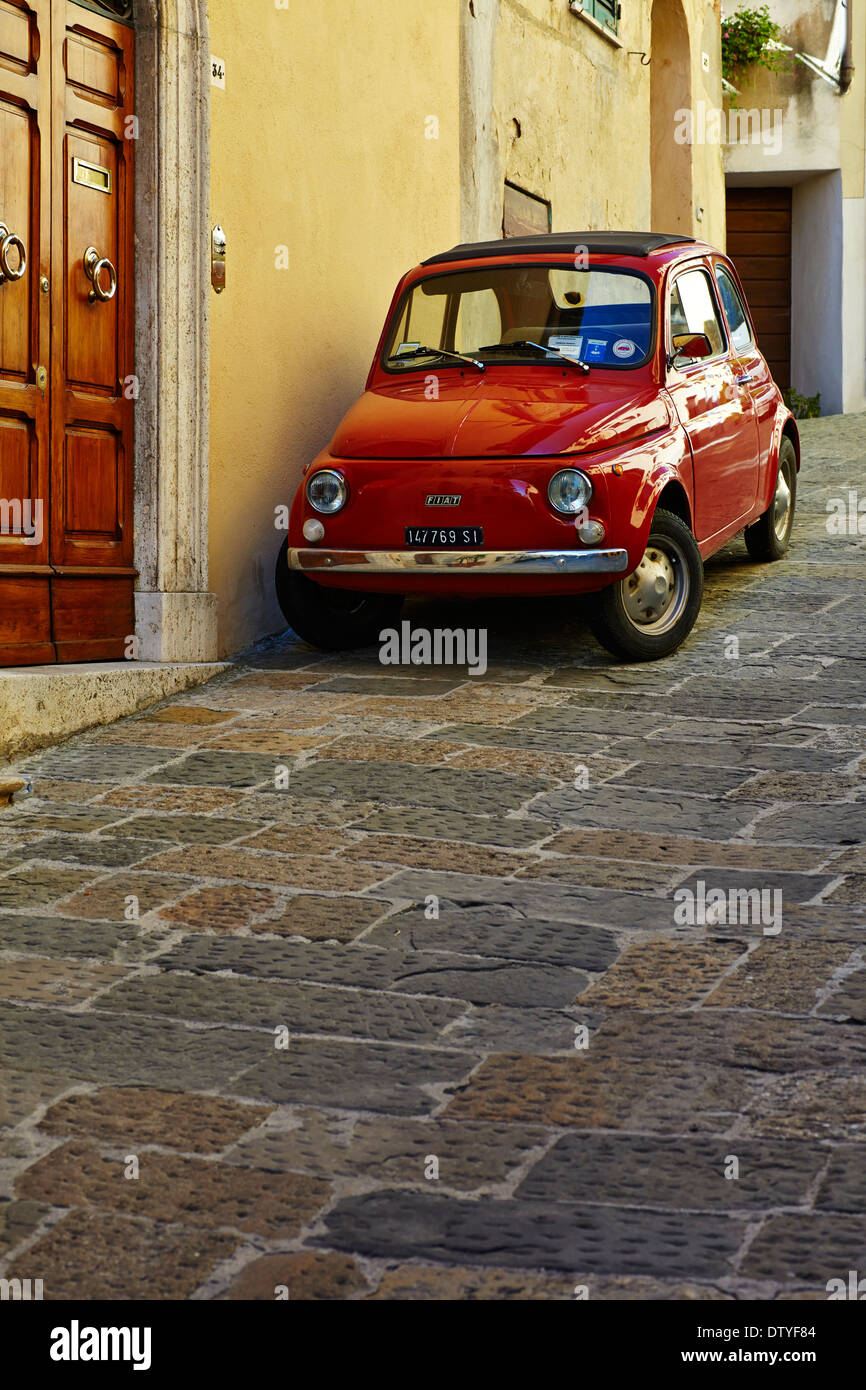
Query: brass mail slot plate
pixel 92 175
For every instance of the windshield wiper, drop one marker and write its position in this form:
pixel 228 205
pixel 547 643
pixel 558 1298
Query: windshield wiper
pixel 436 352
pixel 539 347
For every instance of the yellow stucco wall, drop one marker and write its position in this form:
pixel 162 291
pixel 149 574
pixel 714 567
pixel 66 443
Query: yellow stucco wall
pixel 319 144
pixel 571 115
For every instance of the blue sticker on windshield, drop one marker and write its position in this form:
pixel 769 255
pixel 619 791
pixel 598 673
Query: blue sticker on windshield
pixel 595 349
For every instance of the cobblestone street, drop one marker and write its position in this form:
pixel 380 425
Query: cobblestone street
pixel 428 1022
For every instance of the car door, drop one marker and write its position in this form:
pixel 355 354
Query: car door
pixel 750 364
pixel 714 407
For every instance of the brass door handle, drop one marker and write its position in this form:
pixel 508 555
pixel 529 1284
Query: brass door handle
pixel 94 267
pixel 8 242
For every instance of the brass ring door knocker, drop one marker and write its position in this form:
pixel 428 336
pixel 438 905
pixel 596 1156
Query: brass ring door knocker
pixel 95 266
pixel 8 242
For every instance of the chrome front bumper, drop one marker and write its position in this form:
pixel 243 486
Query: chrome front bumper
pixel 484 562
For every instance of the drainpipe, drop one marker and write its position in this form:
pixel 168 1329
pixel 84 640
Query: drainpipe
pixel 846 70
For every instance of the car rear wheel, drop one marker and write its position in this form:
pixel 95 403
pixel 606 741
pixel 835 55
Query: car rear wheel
pixel 770 536
pixel 651 612
pixel 334 620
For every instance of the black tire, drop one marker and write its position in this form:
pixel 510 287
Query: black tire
pixel 671 554
pixel 764 540
pixel 335 620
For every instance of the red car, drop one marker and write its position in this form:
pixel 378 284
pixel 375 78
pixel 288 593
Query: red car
pixel 584 413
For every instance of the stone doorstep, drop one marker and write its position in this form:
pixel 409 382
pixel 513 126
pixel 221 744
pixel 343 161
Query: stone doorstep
pixel 42 705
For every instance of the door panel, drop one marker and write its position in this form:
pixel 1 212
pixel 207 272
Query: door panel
pixel 94 484
pixel 91 220
pixel 759 244
pixel 19 141
pixel 92 344
pixel 25 133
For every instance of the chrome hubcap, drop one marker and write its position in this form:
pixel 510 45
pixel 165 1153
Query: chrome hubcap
pixel 655 595
pixel 781 505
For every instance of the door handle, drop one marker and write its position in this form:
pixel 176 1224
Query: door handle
pixel 8 242
pixel 94 267
pixel 744 377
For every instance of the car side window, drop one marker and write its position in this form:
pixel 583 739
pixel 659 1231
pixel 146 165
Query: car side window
pixel 693 309
pixel 738 319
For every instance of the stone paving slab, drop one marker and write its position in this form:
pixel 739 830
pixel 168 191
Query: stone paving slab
pixel 50 936
pixel 388 978
pixel 176 1189
pixel 497 930
pixel 95 1254
pixel 389 1150
pixel 119 1116
pixel 95 1048
pixel 300 1008
pixel 600 1089
pixel 611 807
pixel 689 1173
pixel 807 1248
pixel 532 1234
pixel 334 1073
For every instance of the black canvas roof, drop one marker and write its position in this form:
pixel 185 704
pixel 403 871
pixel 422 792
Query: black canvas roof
pixel 601 243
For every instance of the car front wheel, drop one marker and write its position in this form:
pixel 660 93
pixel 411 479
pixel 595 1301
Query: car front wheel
pixel 651 612
pixel 334 620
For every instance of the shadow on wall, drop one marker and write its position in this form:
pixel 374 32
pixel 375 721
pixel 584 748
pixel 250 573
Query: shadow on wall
pixel 670 91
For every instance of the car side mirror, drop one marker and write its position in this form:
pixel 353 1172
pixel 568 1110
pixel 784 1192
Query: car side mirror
pixel 689 347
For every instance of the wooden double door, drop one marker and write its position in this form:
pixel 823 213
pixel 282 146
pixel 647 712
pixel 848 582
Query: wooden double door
pixel 67 385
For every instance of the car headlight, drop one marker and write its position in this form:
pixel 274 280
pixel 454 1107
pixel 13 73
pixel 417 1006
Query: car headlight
pixel 327 491
pixel 569 491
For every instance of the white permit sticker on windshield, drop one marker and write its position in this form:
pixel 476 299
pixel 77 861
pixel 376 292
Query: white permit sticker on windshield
pixel 565 342
pixel 624 347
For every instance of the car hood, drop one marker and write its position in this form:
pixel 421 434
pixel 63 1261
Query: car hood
pixel 483 418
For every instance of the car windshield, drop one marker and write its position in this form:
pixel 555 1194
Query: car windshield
pixel 511 313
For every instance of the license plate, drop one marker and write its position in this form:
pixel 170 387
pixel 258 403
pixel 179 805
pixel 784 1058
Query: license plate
pixel 444 537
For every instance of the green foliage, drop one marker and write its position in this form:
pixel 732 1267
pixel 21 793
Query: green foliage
pixel 743 38
pixel 802 407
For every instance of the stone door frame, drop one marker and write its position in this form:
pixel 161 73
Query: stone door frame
pixel 175 612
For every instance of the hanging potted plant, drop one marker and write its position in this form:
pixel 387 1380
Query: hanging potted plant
pixel 745 36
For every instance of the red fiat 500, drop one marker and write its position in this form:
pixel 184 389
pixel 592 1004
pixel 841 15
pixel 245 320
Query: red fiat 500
pixel 582 413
